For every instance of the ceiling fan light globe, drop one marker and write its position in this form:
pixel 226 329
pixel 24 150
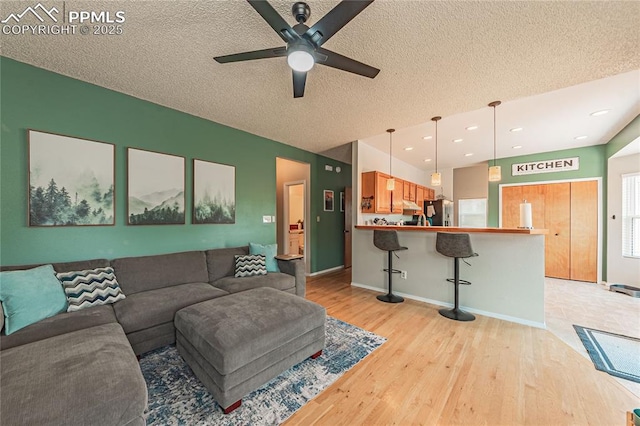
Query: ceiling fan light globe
pixel 299 60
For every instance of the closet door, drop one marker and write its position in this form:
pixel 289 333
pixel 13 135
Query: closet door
pixel 511 199
pixel 584 231
pixel 557 213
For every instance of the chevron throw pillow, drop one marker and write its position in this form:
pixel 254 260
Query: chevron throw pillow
pixel 248 265
pixel 91 287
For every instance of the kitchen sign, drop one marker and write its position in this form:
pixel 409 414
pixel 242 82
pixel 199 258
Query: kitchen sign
pixel 547 166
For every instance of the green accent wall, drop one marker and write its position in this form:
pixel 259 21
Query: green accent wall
pixel 33 98
pixel 624 137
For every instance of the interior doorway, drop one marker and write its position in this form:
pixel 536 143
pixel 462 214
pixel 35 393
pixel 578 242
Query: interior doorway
pixel 571 211
pixel 294 214
pixel 293 209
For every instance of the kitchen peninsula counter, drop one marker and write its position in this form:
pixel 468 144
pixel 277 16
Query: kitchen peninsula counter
pixel 456 229
pixel 507 276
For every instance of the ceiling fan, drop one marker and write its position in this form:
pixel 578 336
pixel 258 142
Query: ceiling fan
pixel 303 43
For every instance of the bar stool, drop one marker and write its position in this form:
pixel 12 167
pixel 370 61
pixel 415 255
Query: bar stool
pixel 458 246
pixel 388 241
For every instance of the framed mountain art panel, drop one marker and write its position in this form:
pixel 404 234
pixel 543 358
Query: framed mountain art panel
pixel 71 181
pixel 214 192
pixel 155 190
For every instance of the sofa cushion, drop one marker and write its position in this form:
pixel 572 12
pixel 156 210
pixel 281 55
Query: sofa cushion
pixel 86 377
pixel 65 322
pixel 277 280
pixel 221 262
pixel 29 296
pixel 137 274
pixel 90 287
pixel 150 308
pixel 249 265
pixel 269 251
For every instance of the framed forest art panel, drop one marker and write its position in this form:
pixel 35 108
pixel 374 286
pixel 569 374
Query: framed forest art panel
pixel 155 188
pixel 71 181
pixel 214 192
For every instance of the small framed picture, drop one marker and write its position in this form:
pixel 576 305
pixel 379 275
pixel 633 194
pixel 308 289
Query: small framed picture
pixel 341 201
pixel 328 200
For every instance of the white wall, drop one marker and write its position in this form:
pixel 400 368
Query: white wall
pixel 503 286
pixel 620 270
pixel 470 182
pixel 367 159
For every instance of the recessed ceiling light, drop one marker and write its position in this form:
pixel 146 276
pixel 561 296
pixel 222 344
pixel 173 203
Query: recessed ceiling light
pixel 426 137
pixel 601 112
pixel 426 160
pixel 516 146
pixel 578 138
pixel 516 129
pixel 457 140
pixel 468 154
pixel 409 148
pixel 472 127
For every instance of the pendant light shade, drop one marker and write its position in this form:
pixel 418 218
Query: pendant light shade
pixel 436 178
pixel 495 173
pixel 391 182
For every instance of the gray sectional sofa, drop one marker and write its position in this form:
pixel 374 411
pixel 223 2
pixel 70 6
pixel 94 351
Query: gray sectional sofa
pixel 80 367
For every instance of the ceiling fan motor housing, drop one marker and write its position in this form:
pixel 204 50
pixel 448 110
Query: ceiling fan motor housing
pixel 301 12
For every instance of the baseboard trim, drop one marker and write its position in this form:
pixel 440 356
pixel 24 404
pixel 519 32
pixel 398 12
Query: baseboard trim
pixel 324 271
pixel 509 318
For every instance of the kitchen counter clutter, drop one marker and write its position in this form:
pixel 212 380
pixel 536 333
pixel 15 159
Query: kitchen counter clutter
pixel 507 277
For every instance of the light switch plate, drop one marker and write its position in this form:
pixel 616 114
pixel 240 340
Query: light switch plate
pixel 273 219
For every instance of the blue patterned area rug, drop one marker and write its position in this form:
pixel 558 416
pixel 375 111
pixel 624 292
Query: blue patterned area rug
pixel 612 353
pixel 177 397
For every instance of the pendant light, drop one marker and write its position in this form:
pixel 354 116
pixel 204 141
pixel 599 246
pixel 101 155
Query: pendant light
pixel 436 178
pixel 495 173
pixel 391 182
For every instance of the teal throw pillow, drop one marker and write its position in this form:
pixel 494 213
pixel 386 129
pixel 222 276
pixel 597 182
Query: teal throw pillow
pixel 269 251
pixel 29 296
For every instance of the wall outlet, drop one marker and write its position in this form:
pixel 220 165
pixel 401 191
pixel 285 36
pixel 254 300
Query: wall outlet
pixel 328 168
pixel 266 219
pixel 403 275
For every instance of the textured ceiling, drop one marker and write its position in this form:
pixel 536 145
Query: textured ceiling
pixel 436 58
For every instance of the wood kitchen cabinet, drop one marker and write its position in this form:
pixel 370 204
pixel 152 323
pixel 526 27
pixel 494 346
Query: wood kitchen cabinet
pixel 409 191
pixel 376 198
pixel 421 192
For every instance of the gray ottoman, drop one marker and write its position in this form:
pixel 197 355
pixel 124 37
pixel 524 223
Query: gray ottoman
pixel 237 343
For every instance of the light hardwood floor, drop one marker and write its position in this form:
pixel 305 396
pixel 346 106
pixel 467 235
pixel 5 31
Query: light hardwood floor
pixel 436 371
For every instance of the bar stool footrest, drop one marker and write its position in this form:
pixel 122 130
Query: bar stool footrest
pixel 465 282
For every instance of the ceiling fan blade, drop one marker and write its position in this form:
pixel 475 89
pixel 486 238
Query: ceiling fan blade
pixel 335 60
pixel 274 19
pixel 299 80
pixel 337 18
pixel 274 52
